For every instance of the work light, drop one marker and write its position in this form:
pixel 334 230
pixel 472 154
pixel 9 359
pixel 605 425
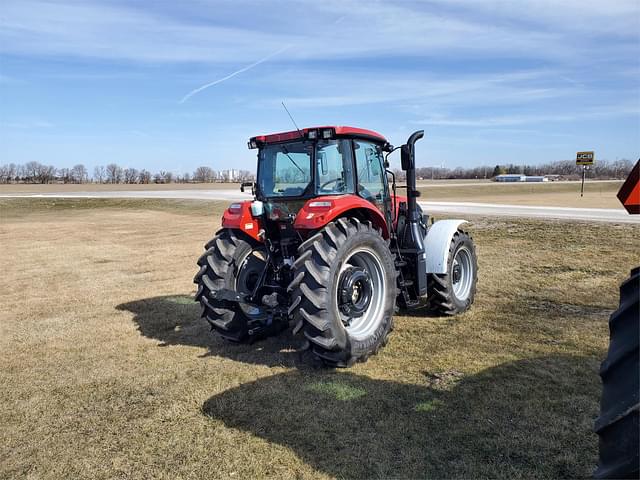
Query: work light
pixel 328 133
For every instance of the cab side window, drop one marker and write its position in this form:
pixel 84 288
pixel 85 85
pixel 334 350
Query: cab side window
pixel 369 166
pixel 334 167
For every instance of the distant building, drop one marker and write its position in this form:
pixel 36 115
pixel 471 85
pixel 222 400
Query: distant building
pixel 510 177
pixel 516 177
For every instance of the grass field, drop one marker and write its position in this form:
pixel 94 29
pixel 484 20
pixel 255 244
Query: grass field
pixel 557 194
pixel 107 371
pixel 598 194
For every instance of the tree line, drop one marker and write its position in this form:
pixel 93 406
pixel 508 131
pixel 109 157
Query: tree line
pixel 35 172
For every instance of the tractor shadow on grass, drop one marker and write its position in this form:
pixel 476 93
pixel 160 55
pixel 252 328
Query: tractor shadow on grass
pixel 527 419
pixel 175 320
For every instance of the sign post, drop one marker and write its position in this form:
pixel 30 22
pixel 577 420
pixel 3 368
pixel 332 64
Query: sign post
pixel 584 159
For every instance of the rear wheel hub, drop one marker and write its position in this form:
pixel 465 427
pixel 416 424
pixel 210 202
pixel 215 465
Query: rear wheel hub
pixel 354 291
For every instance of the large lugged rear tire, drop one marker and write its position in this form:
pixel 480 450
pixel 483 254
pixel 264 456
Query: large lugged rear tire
pixel 220 268
pixel 453 292
pixel 618 426
pixel 344 291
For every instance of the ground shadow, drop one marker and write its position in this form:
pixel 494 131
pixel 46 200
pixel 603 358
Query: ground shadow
pixel 530 418
pixel 175 320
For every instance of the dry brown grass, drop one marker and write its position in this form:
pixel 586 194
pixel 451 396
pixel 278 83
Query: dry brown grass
pixel 107 187
pixel 559 194
pixel 556 194
pixel 108 372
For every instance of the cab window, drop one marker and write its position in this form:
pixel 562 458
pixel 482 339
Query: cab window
pixel 334 167
pixel 369 166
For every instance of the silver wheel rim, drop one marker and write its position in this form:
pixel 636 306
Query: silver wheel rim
pixel 240 285
pixel 365 325
pixel 462 281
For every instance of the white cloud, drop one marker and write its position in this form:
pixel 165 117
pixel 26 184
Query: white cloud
pixel 414 90
pixel 240 31
pixel 528 119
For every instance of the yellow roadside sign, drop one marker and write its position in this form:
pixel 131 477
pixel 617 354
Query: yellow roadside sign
pixel 585 158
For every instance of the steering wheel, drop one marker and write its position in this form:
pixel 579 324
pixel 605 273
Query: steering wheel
pixel 334 180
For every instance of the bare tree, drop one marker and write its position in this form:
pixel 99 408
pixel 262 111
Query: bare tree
pixel 114 173
pixel 64 174
pixel 31 171
pixel 42 173
pixel 99 174
pixel 4 174
pixel 168 177
pixel 79 173
pixel 144 176
pixel 131 175
pixel 203 174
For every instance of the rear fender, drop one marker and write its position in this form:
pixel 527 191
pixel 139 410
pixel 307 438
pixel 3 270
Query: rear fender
pixel 317 212
pixel 438 242
pixel 238 216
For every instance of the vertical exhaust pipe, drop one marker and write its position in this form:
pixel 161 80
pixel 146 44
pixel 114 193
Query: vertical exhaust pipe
pixel 408 160
pixel 414 241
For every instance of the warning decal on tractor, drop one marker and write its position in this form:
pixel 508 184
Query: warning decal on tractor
pixel 585 158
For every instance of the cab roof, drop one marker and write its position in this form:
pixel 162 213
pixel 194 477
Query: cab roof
pixel 340 131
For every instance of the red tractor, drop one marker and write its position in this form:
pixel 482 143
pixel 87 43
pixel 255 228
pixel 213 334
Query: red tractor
pixel 329 247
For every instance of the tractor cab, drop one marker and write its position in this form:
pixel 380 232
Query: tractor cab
pixel 294 167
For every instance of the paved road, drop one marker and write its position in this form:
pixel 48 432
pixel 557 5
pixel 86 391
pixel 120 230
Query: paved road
pixel 462 208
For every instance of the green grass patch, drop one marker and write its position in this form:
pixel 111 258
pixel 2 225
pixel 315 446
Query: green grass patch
pixel 181 300
pixel 338 390
pixel 429 405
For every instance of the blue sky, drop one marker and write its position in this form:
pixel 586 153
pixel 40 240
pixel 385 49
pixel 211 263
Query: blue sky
pixel 490 81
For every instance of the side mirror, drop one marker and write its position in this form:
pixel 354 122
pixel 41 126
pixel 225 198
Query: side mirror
pixel 406 157
pixel 245 184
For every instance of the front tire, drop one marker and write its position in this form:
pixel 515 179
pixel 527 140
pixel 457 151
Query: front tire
pixel 453 292
pixel 344 291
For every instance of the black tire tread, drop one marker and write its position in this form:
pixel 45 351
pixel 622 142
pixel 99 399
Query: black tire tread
pixel 618 425
pixel 309 292
pixel 214 266
pixel 441 295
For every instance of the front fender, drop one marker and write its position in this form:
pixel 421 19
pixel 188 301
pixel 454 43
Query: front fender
pixel 438 242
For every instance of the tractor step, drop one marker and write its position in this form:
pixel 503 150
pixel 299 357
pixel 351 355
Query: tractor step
pixel 226 295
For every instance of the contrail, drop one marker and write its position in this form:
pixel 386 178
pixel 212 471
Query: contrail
pixel 231 75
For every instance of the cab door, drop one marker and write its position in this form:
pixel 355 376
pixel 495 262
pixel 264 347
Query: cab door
pixel 371 177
